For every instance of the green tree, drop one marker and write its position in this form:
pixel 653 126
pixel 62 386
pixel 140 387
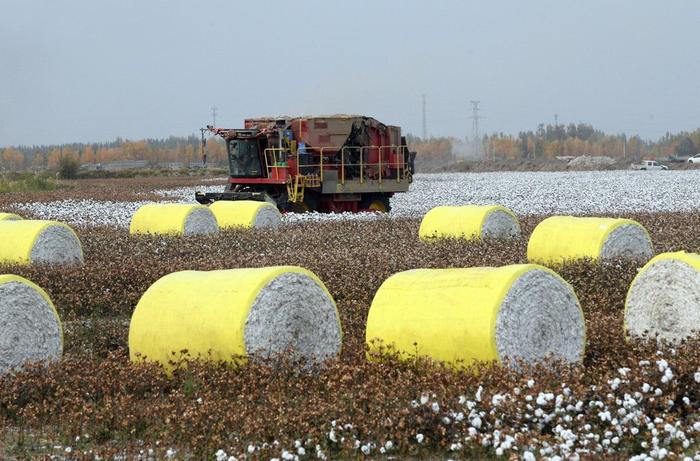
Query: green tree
pixel 68 167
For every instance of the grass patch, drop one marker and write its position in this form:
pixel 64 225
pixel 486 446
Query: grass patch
pixel 29 183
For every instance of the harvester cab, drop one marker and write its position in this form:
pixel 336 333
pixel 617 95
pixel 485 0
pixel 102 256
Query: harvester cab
pixel 338 163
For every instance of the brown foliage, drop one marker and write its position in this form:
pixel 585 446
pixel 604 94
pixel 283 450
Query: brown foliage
pixel 203 408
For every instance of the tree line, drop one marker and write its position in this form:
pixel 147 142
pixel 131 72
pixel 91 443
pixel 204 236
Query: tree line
pixel 545 142
pixel 154 151
pixel 550 141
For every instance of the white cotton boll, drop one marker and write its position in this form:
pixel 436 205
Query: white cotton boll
pixel 477 397
pixel 462 400
pixel 420 438
pixel 646 388
pixel 476 422
pixel 435 407
pixel 424 399
pixel 668 376
pixel 287 456
pixel 662 364
pixel 497 399
pixel 528 456
pixel 365 449
pixel 331 436
pixel 697 377
pixel 388 445
pixel 251 449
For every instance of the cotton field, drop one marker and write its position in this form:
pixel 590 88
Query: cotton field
pixel 526 193
pixel 618 397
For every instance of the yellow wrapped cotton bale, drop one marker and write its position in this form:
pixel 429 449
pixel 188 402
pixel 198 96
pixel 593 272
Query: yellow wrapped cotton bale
pixel 35 241
pixel 9 217
pixel 173 219
pixel 469 222
pixel 227 314
pixel 568 238
pixel 663 300
pixel 505 314
pixel 30 330
pixel 246 213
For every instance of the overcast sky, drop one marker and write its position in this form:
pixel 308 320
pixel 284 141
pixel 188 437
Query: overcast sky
pixel 87 70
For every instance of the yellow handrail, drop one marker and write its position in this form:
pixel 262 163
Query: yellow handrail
pixel 399 164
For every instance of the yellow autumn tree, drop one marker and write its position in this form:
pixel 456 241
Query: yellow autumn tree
pixel 12 159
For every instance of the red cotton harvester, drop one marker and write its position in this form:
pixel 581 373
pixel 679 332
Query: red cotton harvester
pixel 332 164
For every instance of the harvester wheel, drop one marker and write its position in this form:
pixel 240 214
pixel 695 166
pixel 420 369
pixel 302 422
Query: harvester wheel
pixel 309 204
pixel 378 203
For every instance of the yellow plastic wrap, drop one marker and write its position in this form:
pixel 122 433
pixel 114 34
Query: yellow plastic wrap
pixel 162 218
pixel 202 312
pixel 566 238
pixel 8 278
pixel 240 213
pixel 458 221
pixel 448 315
pixel 9 216
pixel 17 238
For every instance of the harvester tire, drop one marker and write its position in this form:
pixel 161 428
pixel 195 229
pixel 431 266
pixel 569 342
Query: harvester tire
pixel 379 203
pixel 309 204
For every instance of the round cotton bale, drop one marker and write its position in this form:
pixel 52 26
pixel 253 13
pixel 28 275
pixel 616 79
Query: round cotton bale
pixel 567 238
pixel 246 213
pixel 228 314
pixel 459 316
pixel 30 330
pixel 173 219
pixel 663 300
pixel 469 222
pixel 9 217
pixel 35 241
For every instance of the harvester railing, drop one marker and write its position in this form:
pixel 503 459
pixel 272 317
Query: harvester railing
pixel 277 158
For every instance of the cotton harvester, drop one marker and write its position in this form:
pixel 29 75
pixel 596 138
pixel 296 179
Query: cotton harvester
pixel 332 164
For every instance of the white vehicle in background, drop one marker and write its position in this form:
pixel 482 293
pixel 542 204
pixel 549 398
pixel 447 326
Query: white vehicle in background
pixel 649 165
pixel 694 159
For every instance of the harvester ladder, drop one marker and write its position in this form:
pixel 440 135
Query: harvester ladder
pixel 295 189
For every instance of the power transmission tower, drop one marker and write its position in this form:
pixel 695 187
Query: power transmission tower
pixel 425 122
pixel 213 116
pixel 476 136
